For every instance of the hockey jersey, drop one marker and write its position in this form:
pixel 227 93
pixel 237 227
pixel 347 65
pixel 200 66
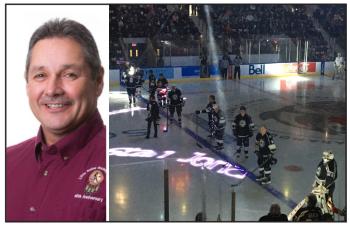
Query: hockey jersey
pixel 130 82
pixel 265 144
pixel 243 126
pixel 219 120
pixel 153 110
pixel 209 109
pixel 175 97
pixel 326 173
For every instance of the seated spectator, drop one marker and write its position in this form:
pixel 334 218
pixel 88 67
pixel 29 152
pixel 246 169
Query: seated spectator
pixel 310 213
pixel 274 215
pixel 200 217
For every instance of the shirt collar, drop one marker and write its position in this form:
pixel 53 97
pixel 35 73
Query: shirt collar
pixel 70 144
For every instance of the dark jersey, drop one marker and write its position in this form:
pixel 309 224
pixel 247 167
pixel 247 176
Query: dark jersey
pixel 153 110
pixel 209 109
pixel 152 81
pixel 326 173
pixel 219 120
pixel 263 142
pixel 175 97
pixel 139 80
pixel 130 82
pixel 162 83
pixel 308 214
pixel 243 125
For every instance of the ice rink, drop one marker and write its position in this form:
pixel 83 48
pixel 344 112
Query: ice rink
pixel 306 115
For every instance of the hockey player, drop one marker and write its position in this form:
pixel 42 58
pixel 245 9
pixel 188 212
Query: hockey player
pixel 264 149
pixel 209 109
pixel 139 82
pixel 162 81
pixel 242 127
pixel 162 90
pixel 153 116
pixel 152 86
pixel 175 102
pixel 219 126
pixel 339 66
pixel 130 82
pixel 326 173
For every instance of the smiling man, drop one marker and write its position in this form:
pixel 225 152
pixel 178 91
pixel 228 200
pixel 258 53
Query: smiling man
pixel 60 174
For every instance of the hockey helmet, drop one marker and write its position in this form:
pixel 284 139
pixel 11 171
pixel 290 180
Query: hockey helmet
pixel 327 155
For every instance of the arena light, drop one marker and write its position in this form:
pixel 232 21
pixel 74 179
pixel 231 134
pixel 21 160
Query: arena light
pixel 214 56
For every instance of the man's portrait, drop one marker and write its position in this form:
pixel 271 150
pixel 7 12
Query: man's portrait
pixel 59 173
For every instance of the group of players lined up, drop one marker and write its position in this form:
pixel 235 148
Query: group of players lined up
pixel 265 148
pixel 166 98
pixel 242 128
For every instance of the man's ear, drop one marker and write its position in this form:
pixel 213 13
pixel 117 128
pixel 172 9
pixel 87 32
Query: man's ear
pixel 99 81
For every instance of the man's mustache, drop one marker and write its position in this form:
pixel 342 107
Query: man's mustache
pixel 55 100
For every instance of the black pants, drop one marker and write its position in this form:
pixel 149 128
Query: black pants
pixel 237 71
pixel 242 141
pixel 131 93
pixel 219 136
pixel 322 67
pixel 224 73
pixel 152 90
pixel 264 165
pixel 149 127
pixel 178 111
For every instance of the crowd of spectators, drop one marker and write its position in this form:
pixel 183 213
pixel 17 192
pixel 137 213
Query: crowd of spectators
pixel 232 26
pixel 247 21
pixel 150 20
pixel 333 20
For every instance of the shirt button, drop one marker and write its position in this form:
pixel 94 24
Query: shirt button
pixel 32 209
pixel 46 173
pixel 65 158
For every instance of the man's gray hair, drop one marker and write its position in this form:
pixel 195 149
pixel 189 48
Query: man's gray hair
pixel 64 28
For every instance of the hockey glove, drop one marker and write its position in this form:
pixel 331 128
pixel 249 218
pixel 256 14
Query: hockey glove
pixel 198 112
pixel 250 134
pixel 273 161
pixel 272 148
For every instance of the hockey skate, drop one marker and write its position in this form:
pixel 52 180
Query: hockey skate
pixel 246 155
pixel 237 154
pixel 266 180
pixel 219 147
pixel 259 178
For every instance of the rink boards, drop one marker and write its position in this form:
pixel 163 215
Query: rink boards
pixel 247 71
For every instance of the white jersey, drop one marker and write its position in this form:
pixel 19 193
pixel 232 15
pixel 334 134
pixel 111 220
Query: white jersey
pixel 339 61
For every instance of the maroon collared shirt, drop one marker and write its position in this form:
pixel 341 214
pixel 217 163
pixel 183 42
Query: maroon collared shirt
pixel 62 182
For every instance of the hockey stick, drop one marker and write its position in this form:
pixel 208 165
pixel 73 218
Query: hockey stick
pixel 249 171
pixel 167 119
pixel 296 209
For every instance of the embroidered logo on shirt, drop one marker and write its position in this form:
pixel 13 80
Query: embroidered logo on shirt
pixel 94 181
